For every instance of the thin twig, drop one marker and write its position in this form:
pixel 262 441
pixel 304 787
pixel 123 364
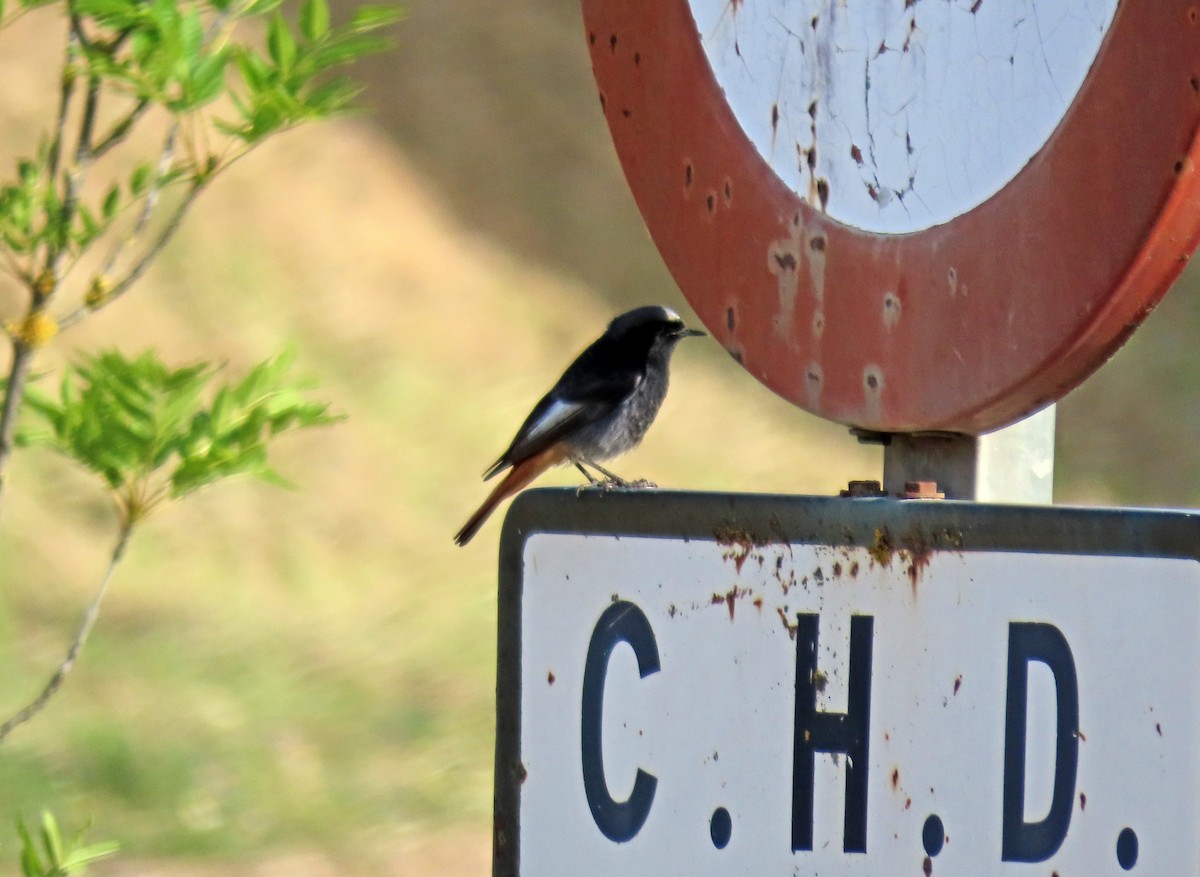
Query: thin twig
pixel 165 159
pixel 120 130
pixel 14 392
pixel 85 628
pixel 64 103
pixel 140 266
pixel 73 178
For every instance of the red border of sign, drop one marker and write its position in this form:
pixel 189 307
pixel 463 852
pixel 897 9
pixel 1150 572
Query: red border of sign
pixel 967 326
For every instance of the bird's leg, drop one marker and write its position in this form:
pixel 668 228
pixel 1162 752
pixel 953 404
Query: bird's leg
pixel 592 482
pixel 615 480
pixel 610 481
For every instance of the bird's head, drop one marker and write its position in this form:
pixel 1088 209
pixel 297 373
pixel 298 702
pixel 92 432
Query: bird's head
pixel 652 326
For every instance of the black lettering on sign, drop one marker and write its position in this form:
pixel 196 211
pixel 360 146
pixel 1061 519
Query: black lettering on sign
pixel 1037 841
pixel 622 622
pixel 847 733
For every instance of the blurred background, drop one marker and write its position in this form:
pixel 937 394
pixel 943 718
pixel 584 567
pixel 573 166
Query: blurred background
pixel 303 682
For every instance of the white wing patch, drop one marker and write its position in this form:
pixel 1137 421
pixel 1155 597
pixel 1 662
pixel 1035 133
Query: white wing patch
pixel 555 415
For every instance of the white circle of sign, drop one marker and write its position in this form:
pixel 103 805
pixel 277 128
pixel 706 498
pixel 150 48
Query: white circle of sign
pixel 895 118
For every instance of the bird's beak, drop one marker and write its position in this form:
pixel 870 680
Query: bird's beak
pixel 690 333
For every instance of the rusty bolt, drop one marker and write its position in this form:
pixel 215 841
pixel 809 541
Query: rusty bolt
pixel 922 490
pixel 863 488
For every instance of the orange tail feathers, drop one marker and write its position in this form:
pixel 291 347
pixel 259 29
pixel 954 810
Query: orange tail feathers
pixel 517 478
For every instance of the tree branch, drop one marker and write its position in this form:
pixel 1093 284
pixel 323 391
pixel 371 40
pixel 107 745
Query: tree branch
pixel 85 628
pixel 139 267
pixel 120 130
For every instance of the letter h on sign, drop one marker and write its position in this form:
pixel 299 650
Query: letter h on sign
pixel 847 733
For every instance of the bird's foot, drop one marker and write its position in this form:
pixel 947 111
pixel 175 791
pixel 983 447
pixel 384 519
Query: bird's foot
pixel 622 484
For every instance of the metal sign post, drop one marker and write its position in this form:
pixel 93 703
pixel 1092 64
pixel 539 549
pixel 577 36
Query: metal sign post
pixel 1014 464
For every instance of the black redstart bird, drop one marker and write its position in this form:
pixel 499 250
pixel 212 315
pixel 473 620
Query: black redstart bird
pixel 600 408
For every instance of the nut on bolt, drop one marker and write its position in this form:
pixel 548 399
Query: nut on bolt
pixel 863 488
pixel 921 490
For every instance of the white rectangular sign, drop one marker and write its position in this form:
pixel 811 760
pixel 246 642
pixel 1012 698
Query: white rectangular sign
pixel 824 687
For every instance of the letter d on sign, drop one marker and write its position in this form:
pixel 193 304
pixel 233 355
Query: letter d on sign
pixel 1037 841
pixel 622 622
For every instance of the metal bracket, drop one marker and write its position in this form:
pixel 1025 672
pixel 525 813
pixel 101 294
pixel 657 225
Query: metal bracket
pixel 1014 464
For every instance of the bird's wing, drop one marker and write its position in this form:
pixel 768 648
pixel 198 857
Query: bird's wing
pixel 577 400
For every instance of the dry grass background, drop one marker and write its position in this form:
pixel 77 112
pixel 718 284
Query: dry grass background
pixel 301 683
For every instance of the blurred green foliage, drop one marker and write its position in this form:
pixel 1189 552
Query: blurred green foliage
pixel 143 428
pixel 45 853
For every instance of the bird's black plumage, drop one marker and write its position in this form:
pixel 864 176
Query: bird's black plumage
pixel 601 406
pixel 606 399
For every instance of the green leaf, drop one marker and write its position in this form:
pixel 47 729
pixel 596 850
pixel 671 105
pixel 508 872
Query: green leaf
pixel 314 19
pixel 31 862
pixel 254 69
pixel 84 856
pixel 280 44
pixel 347 49
pixel 372 16
pixel 139 180
pixel 332 97
pixel 52 839
pixel 260 7
pixel 112 202
pixel 208 79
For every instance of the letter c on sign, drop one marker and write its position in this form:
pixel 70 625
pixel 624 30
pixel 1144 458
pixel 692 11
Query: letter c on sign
pixel 622 622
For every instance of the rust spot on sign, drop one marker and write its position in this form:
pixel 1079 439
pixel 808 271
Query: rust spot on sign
pixel 729 598
pixel 927 866
pixel 819 680
pixel 957 683
pixel 788 626
pixel 814 377
pixel 1082 801
pixel 881 548
pixel 550 677
pixel 891 309
pixel 895 778
pixel 856 154
pixel 738 543
pixel 916 554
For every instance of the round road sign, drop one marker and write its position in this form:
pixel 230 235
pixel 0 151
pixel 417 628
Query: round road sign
pixel 911 215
